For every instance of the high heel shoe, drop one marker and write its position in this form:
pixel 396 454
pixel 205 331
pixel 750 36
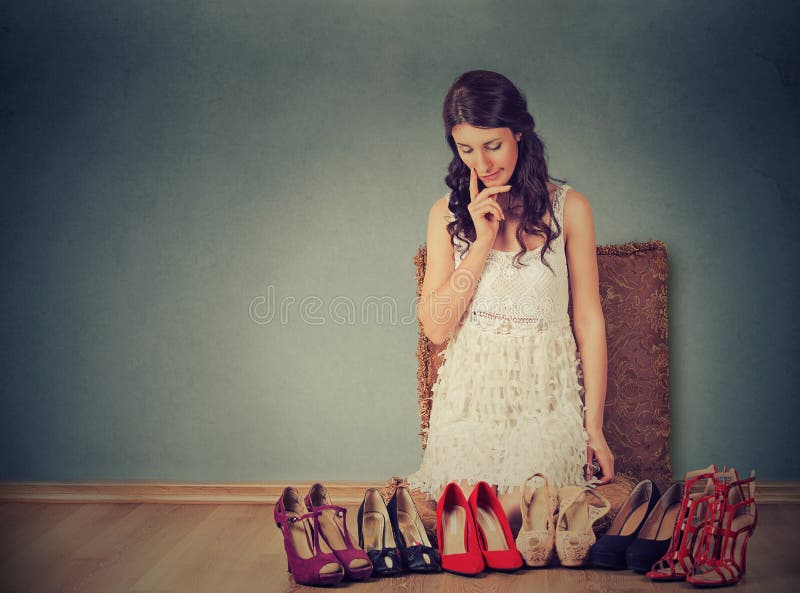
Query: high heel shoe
pixel 310 560
pixel 676 563
pixel 376 537
pixel 732 520
pixel 609 550
pixel 536 539
pixel 415 548
pixel 494 534
pixel 655 535
pixel 574 533
pixel 456 535
pixel 333 525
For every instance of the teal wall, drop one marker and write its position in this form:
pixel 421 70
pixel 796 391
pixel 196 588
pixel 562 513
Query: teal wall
pixel 169 167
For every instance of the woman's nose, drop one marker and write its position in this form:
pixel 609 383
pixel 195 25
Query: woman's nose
pixel 482 163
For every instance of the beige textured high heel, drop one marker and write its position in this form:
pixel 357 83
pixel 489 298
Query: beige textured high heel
pixel 537 537
pixel 574 533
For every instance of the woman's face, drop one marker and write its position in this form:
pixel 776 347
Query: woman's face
pixel 492 151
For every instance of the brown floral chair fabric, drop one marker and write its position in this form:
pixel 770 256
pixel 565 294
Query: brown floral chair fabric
pixel 633 291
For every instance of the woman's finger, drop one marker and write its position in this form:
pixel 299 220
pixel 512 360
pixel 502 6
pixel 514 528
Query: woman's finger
pixel 489 207
pixel 606 462
pixel 588 469
pixel 473 183
pixel 491 192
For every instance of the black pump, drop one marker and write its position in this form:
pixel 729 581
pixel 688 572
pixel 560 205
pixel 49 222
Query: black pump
pixel 415 546
pixel 376 535
pixel 609 550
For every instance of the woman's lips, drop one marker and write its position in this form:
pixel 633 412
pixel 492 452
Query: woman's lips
pixel 492 176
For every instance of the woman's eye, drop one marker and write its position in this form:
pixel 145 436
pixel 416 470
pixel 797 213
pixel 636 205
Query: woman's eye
pixel 489 147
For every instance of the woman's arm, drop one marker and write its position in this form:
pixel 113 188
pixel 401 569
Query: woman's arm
pixel 446 291
pixel 588 321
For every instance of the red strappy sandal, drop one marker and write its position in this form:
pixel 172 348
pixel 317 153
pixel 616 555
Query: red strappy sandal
pixel 731 521
pixel 678 560
pixel 308 561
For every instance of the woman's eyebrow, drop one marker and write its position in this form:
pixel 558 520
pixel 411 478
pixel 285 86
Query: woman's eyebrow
pixel 485 143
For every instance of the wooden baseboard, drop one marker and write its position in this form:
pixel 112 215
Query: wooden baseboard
pixel 246 493
pixel 174 492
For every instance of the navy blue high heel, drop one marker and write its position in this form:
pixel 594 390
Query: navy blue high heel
pixel 609 550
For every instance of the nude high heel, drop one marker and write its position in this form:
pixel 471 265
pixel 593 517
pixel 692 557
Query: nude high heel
pixel 536 539
pixel 574 533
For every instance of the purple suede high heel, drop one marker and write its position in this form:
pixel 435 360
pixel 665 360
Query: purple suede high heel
pixel 310 560
pixel 333 523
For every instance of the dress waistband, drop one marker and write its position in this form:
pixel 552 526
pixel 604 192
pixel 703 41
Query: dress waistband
pixel 504 324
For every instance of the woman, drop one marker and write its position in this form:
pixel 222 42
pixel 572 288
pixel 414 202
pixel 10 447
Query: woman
pixel 504 248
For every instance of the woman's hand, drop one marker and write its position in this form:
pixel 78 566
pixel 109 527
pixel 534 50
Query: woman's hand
pixel 486 213
pixel 597 448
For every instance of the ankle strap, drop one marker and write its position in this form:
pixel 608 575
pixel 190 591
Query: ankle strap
pixel 341 511
pixel 284 520
pixel 525 487
pixel 282 516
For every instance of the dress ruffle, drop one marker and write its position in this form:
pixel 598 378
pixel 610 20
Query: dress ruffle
pixel 521 413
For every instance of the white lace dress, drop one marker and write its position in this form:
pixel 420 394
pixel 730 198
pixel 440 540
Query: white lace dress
pixel 507 401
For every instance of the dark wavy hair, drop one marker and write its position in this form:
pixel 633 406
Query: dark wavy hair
pixel 486 99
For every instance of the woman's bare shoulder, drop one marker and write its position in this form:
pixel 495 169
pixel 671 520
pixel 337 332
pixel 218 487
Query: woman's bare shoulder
pixel 575 200
pixel 441 207
pixel 577 215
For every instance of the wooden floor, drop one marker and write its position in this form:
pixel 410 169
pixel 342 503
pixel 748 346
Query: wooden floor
pixel 160 548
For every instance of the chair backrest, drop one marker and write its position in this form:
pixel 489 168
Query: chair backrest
pixel 633 292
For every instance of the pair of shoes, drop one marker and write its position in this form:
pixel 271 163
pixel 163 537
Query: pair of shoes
pixel 574 534
pixel 611 549
pixel 318 547
pixel 474 534
pixel 570 534
pixel 730 520
pixel 394 536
